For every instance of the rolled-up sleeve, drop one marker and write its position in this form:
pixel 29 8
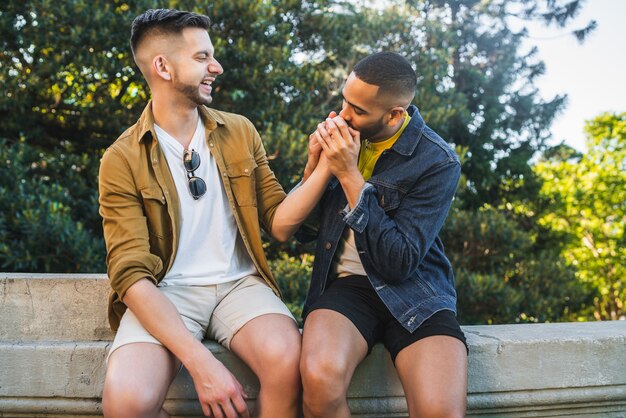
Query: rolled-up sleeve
pixel 125 229
pixel 269 192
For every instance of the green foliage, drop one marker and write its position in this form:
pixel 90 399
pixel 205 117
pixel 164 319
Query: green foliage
pixel 586 203
pixel 293 275
pixel 48 211
pixel 504 275
pixel 71 88
pixel 67 73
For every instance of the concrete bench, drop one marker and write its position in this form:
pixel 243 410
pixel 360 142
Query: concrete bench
pixel 54 337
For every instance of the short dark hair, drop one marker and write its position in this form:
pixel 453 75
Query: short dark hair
pixel 390 71
pixel 164 21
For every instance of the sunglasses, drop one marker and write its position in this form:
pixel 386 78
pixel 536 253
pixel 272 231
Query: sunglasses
pixel 197 186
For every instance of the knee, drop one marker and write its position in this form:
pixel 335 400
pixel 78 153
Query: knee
pixel 281 357
pixel 121 399
pixel 324 375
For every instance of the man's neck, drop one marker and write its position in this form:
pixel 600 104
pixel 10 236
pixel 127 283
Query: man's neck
pixel 177 119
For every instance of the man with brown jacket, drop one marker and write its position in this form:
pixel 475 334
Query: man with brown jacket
pixel 183 195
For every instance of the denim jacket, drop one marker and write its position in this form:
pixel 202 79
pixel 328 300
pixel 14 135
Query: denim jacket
pixel 396 223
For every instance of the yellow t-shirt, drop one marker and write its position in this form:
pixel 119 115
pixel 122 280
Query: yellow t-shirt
pixel 348 261
pixel 371 151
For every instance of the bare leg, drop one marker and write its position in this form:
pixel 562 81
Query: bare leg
pixel 433 372
pixel 137 380
pixel 332 348
pixel 270 345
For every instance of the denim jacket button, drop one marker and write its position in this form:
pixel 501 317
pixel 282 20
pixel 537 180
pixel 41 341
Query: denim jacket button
pixel 328 245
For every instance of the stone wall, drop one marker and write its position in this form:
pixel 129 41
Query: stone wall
pixel 54 337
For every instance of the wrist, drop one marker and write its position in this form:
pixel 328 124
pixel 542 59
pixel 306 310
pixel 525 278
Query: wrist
pixel 194 353
pixel 352 184
pixel 307 173
pixel 351 176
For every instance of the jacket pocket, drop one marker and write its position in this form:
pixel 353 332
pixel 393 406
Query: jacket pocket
pixel 155 211
pixel 242 181
pixel 388 198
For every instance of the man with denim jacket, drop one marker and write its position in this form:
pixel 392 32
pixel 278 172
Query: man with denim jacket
pixel 380 271
pixel 183 195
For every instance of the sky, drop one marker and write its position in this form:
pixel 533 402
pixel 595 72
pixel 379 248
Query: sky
pixel 592 74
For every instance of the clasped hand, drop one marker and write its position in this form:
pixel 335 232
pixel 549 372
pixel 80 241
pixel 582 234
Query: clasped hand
pixel 335 146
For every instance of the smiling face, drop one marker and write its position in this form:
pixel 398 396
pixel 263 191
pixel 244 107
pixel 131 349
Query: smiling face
pixel 193 66
pixel 366 111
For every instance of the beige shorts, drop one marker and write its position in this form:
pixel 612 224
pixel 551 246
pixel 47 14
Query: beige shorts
pixel 216 311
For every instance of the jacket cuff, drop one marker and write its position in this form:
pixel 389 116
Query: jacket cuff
pixel 358 217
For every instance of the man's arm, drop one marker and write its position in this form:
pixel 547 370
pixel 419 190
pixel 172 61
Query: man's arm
pixel 282 215
pixel 215 385
pixel 298 204
pixel 132 270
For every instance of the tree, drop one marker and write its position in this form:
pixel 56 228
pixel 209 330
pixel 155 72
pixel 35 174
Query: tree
pixel 505 274
pixel 67 73
pixel 71 88
pixel 49 215
pixel 478 90
pixel 586 203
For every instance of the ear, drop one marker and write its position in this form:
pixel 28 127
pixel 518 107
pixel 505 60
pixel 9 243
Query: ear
pixel 161 67
pixel 395 115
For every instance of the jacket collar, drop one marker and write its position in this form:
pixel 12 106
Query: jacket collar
pixel 405 145
pixel 210 118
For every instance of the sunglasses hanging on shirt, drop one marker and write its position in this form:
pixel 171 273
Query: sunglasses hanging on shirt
pixel 197 186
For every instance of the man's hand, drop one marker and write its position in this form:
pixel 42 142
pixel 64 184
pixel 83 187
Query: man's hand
pixel 341 144
pixel 219 392
pixel 314 150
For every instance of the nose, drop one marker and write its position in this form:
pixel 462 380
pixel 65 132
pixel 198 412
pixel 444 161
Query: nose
pixel 344 114
pixel 215 67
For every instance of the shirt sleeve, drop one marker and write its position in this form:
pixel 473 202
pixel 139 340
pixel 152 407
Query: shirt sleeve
pixel 125 228
pixel 269 192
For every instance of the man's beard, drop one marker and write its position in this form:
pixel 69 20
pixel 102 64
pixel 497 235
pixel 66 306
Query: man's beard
pixel 192 93
pixel 371 130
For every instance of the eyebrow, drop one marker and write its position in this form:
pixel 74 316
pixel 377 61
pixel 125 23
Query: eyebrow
pixel 360 109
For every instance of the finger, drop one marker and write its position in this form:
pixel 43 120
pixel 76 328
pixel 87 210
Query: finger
pixel 241 390
pixel 217 411
pixel 332 128
pixel 325 147
pixel 322 130
pixel 229 410
pixel 319 139
pixel 343 127
pixel 315 145
pixel 356 135
pixel 332 114
pixel 206 409
pixel 241 406
pixel 340 140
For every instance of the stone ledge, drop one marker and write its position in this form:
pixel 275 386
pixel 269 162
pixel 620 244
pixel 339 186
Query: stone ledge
pixel 567 369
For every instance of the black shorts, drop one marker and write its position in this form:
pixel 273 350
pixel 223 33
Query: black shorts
pixel 355 298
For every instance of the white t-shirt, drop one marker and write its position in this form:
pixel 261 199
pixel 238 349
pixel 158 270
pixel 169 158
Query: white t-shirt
pixel 210 249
